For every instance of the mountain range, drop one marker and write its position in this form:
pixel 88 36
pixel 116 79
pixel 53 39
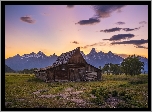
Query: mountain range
pixel 40 60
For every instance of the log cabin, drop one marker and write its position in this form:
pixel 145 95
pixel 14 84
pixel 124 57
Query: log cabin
pixel 69 66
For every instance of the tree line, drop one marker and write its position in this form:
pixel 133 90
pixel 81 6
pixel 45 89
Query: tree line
pixel 27 71
pixel 129 66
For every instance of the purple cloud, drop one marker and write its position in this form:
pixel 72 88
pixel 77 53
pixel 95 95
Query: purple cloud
pixel 27 19
pixel 95 44
pixel 120 36
pixel 143 22
pixel 120 23
pixel 111 30
pixel 137 43
pixel 104 11
pixel 118 29
pixel 75 42
pixel 90 21
pixel 139 46
pixel 129 29
pixel 101 11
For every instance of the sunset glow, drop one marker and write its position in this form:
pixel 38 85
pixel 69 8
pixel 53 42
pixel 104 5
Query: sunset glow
pixel 60 28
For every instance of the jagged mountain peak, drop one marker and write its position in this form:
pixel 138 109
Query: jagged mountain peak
pixel 54 54
pixel 32 53
pixel 17 55
pixel 40 52
pixel 110 52
pixel 100 52
pixel 93 50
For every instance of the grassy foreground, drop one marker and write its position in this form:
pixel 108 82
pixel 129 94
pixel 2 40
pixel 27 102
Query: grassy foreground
pixel 114 91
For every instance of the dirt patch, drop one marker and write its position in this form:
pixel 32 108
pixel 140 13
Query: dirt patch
pixel 112 102
pixel 78 101
pixel 69 89
pixel 47 96
pixel 72 95
pixel 39 91
pixel 69 94
pixel 64 96
pixel 7 104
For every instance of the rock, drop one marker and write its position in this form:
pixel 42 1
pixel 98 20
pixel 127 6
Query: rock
pixel 7 104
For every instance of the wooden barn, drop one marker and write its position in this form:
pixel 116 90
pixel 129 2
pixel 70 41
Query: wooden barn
pixel 69 66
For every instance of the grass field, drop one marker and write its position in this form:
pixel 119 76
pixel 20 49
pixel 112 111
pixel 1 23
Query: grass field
pixel 114 91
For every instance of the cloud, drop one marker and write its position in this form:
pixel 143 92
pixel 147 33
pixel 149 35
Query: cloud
pixel 137 43
pixel 111 30
pixel 120 36
pixel 118 29
pixel 70 6
pixel 27 19
pixel 101 11
pixel 139 46
pixel 75 42
pixel 104 11
pixel 95 44
pixel 120 23
pixel 90 21
pixel 129 29
pixel 143 22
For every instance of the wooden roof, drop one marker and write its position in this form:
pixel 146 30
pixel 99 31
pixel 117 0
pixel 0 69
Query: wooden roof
pixel 64 58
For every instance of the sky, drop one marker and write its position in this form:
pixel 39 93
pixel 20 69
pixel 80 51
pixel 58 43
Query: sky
pixel 121 29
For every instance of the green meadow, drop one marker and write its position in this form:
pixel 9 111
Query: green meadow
pixel 113 91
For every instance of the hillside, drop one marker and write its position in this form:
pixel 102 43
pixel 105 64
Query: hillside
pixel 8 69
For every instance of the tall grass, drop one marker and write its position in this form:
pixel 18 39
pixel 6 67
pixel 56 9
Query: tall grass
pixel 26 91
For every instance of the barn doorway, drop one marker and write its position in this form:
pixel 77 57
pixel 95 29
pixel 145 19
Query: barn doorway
pixel 77 74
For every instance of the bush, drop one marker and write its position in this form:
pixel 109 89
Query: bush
pixel 123 105
pixel 122 93
pixel 125 96
pixel 99 100
pixel 101 95
pixel 114 93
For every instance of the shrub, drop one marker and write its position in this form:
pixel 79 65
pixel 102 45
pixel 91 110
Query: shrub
pixel 123 105
pixel 114 93
pixel 99 100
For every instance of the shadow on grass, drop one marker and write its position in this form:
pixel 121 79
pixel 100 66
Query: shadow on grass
pixel 34 79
